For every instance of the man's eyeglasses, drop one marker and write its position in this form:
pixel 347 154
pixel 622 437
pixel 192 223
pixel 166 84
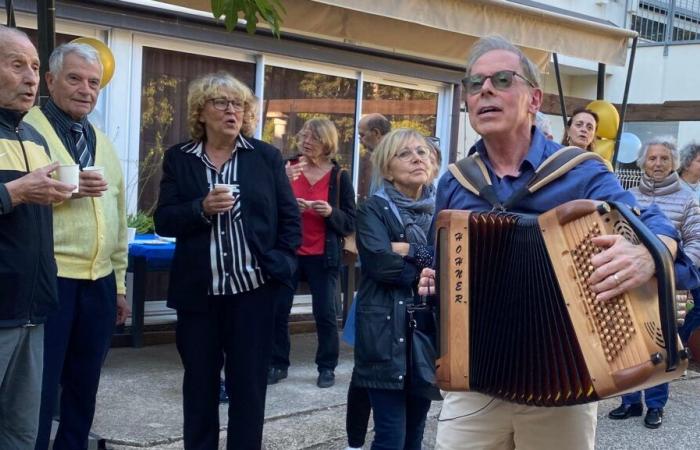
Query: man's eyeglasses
pixel 406 154
pixel 501 80
pixel 222 104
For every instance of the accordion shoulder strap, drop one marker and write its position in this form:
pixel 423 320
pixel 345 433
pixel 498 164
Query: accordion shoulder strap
pixel 471 173
pixel 558 164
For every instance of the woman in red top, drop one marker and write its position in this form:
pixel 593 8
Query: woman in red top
pixel 326 200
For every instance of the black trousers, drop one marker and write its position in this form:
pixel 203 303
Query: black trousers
pixel 237 329
pixel 322 283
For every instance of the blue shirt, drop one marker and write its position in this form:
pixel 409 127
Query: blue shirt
pixel 589 180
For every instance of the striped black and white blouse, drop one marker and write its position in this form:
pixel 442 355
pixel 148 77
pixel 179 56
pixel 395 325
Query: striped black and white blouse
pixel 234 268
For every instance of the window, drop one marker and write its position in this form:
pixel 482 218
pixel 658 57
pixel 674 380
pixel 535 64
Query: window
pixel 166 76
pixel 405 108
pixel 293 96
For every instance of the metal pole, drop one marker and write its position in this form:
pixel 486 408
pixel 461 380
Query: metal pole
pixel 559 88
pixel 601 82
pixel 623 107
pixel 46 22
pixel 10 9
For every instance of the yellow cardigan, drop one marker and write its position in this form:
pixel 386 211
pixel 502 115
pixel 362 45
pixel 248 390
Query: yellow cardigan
pixel 89 233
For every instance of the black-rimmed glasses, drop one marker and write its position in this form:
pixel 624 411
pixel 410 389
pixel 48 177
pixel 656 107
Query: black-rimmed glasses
pixel 222 104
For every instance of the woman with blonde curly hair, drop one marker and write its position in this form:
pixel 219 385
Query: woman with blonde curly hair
pixel 226 198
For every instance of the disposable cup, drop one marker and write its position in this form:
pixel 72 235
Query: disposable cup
pixel 97 169
pixel 232 188
pixel 69 173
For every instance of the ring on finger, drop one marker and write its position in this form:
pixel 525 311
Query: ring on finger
pixel 617 279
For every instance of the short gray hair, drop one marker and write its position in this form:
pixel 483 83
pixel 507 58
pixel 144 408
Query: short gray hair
pixel 491 43
pixel 688 155
pixel 84 51
pixel 666 141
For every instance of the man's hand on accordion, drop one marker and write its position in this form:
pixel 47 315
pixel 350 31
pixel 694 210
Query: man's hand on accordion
pixel 619 267
pixel 426 284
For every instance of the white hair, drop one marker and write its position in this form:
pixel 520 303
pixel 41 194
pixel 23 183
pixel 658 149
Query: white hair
pixel 84 51
pixel 668 142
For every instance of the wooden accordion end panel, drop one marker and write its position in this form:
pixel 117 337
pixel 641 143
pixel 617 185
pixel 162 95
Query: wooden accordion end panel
pixel 518 321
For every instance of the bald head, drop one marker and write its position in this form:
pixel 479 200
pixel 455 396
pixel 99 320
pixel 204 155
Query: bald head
pixel 19 70
pixel 371 129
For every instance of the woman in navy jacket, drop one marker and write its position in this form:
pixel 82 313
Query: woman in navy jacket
pixel 226 199
pixel 392 229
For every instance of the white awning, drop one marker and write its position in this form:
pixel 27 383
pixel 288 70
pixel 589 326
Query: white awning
pixel 444 30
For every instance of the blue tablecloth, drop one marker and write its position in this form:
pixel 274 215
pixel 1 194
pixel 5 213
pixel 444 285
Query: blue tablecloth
pixel 158 255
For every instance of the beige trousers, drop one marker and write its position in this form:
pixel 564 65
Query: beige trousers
pixel 470 420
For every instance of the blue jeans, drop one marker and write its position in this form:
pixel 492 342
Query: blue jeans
pixel 399 419
pixel 654 397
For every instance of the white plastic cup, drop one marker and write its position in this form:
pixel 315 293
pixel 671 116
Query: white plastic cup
pixel 232 188
pixel 96 169
pixel 69 173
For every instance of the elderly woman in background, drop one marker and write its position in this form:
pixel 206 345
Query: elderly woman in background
pixel 326 200
pixel 392 236
pixel 580 129
pixel 660 184
pixel 226 198
pixel 690 168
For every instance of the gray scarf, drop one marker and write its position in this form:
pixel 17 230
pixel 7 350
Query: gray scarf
pixel 416 215
pixel 668 185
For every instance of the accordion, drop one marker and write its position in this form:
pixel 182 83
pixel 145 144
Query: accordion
pixel 518 320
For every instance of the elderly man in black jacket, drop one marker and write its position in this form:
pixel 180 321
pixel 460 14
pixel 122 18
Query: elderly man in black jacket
pixel 27 265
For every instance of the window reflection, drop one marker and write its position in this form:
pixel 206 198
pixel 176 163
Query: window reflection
pixel 405 108
pixel 293 96
pixel 166 76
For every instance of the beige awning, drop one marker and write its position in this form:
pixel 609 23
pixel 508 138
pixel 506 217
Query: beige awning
pixel 443 30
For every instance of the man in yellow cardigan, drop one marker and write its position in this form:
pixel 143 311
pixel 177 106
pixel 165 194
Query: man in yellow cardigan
pixel 89 243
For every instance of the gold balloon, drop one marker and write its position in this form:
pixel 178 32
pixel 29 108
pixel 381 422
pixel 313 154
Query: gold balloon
pixel 605 148
pixel 105 55
pixel 608 118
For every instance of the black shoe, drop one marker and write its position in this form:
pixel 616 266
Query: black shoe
pixel 326 378
pixel 275 374
pixel 653 418
pixel 626 411
pixel 223 397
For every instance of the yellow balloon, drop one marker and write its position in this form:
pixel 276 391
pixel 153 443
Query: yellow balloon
pixel 608 118
pixel 105 55
pixel 605 148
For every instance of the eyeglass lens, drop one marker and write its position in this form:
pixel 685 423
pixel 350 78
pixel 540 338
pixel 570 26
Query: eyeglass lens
pixel 222 104
pixel 407 153
pixel 500 80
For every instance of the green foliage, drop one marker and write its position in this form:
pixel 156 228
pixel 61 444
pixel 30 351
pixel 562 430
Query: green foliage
pixel 141 221
pixel 252 11
pixel 157 117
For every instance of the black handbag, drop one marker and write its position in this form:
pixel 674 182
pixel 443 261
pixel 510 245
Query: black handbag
pixel 421 334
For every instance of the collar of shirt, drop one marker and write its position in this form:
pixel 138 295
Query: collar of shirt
pixel 533 158
pixel 241 143
pixel 60 119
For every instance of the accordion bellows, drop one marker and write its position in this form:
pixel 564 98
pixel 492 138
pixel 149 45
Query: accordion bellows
pixel 518 320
